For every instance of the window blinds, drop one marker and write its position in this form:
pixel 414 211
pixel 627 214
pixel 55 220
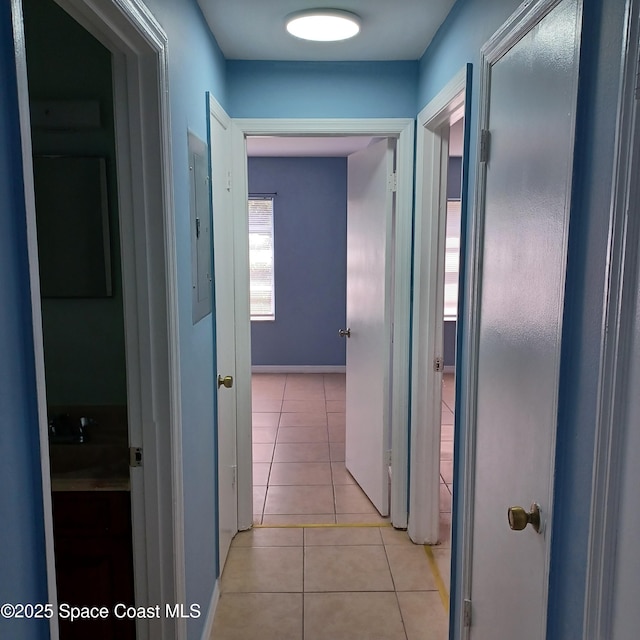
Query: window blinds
pixel 261 278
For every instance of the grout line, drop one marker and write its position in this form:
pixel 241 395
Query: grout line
pixel 342 525
pixel 444 595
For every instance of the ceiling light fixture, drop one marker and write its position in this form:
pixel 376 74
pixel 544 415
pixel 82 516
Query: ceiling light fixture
pixel 323 25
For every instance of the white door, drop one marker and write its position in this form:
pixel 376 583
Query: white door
pixel 530 110
pixel 369 313
pixel 223 260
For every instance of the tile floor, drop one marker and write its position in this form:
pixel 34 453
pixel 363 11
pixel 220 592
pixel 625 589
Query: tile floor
pixel 338 580
pixel 329 583
pixel 299 475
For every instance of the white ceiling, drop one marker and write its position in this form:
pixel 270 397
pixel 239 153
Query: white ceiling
pixel 290 147
pixel 391 29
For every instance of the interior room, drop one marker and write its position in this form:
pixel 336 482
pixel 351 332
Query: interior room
pixel 163 449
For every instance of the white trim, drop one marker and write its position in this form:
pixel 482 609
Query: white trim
pixel 403 130
pixel 618 318
pixel 36 305
pixel 139 45
pixel 297 368
pixel 432 151
pixel 449 368
pixel 207 631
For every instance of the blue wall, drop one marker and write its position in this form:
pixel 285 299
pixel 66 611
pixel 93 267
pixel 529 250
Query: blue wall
pixel 310 253
pixel 196 66
pixel 22 561
pixel 322 89
pixel 459 41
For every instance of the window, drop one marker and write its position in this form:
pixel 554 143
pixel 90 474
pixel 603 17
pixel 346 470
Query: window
pixel 452 260
pixel 261 280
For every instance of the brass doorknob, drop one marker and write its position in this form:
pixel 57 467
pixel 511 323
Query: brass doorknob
pixel 226 382
pixel 519 518
pixel 345 333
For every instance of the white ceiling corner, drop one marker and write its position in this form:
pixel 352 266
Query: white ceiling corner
pixel 391 30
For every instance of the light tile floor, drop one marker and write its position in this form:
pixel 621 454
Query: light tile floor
pixel 329 583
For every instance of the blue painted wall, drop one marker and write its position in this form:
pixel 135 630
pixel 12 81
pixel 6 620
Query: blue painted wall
pixel 196 66
pixel 459 41
pixel 310 252
pixel 22 561
pixel 322 89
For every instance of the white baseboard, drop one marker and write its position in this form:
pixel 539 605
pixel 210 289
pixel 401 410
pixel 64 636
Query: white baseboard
pixel 296 368
pixel 207 632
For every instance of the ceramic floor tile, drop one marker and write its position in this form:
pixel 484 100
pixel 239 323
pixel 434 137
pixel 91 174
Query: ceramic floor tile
pixel 352 616
pixel 346 568
pixel 447 416
pixel 299 500
pixel 445 498
pixel 446 470
pixel 301 452
pixel 261 473
pixel 266 405
pixel 303 419
pixel 264 435
pixel 259 495
pixel 269 538
pixel 336 406
pixel 443 560
pixel 268 616
pixel 446 450
pixel 347 537
pixel 336 450
pixel 337 433
pixel 302 434
pixel 352 499
pixel 265 419
pixel 424 615
pixel 361 518
pixel 391 536
pixel 300 473
pixel 336 419
pixel 263 570
pixel 446 432
pixel 410 568
pixel 262 452
pixel 312 405
pixel 299 519
pixel 257 518
pixel 445 530
pixel 340 474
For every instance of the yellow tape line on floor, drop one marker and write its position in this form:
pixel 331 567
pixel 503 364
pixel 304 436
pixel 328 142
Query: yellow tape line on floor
pixel 444 595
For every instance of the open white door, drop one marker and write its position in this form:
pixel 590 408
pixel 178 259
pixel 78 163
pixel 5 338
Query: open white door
pixel 530 73
pixel 223 261
pixel 369 312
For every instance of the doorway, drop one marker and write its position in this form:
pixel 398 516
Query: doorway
pixel 298 194
pixel 152 377
pixel 401 130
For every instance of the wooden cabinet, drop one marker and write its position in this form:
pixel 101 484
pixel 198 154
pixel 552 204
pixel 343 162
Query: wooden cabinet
pixel 94 560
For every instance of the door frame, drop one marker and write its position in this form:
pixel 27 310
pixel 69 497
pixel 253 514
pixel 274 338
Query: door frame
pixel 525 17
pixel 432 154
pixel 403 130
pixel 621 291
pixel 142 128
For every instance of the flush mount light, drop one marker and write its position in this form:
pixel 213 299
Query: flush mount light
pixel 323 25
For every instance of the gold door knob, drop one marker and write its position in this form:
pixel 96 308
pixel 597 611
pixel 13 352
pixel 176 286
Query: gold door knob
pixel 519 518
pixel 344 333
pixel 226 382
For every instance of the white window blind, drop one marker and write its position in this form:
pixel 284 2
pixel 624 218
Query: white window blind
pixel 452 260
pixel 261 279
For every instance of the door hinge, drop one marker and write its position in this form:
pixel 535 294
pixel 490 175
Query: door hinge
pixel 393 182
pixel 466 613
pixel 438 364
pixel 197 227
pixel 228 180
pixel 135 456
pixel 485 142
pixel 234 476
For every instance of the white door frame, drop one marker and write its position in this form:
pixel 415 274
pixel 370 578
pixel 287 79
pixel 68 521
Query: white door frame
pixel 615 355
pixel 432 155
pixel 145 186
pixel 403 130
